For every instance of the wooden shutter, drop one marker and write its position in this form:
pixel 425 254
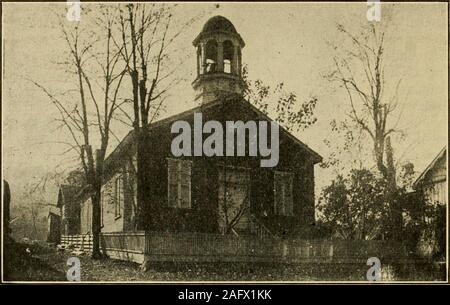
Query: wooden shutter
pixel 283 193
pixel 172 174
pixel 185 184
pixel 179 183
pixel 289 200
pixel 278 196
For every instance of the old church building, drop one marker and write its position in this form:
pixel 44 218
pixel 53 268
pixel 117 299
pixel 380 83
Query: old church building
pixel 208 194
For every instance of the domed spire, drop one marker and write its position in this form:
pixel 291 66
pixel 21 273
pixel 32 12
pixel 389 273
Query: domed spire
pixel 219 23
pixel 219 60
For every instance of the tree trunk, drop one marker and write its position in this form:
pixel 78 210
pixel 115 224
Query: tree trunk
pixel 395 208
pixel 96 224
pixel 143 180
pixel 391 173
pixel 379 145
pixel 140 213
pixel 96 204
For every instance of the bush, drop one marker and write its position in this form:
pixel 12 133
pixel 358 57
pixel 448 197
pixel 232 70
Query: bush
pixel 356 206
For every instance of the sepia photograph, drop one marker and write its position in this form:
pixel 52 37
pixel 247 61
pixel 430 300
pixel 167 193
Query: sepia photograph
pixel 224 142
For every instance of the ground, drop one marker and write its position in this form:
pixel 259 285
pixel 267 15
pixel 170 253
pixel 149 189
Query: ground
pixel 42 262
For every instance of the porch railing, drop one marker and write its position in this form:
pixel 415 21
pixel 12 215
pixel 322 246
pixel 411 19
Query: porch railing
pixel 259 229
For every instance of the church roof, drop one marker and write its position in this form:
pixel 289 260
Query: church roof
pixel 129 138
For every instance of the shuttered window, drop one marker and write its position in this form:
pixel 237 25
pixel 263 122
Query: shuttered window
pixel 179 183
pixel 119 199
pixel 283 193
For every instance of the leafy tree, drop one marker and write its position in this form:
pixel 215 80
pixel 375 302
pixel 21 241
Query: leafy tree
pixel 287 110
pixel 360 70
pixel 356 205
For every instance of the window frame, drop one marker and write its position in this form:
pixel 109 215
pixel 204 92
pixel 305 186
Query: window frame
pixel 118 188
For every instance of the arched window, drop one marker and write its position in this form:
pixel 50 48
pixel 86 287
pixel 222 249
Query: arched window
pixel 211 57
pixel 228 52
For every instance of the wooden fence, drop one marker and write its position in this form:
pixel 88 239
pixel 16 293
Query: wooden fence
pixel 128 246
pixel 204 247
pixel 214 247
pixel 84 242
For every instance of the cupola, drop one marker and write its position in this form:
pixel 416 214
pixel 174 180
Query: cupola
pixel 219 60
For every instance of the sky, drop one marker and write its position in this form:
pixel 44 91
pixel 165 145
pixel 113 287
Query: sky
pixel 285 42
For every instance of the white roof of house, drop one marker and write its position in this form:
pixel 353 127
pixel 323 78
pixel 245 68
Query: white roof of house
pixel 430 166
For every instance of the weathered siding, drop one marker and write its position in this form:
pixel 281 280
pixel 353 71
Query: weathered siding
pixel 203 216
pixel 112 220
pixel 437 193
pixel 70 218
pixel 130 195
pixel 435 184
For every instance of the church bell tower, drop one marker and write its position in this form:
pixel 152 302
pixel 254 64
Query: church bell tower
pixel 219 61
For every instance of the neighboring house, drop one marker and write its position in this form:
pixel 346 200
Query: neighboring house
pixel 206 194
pixel 433 180
pixel 54 226
pixel 69 206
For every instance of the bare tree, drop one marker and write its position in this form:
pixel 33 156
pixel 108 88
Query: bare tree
pixel 361 73
pixel 94 60
pixel 232 209
pixel 146 43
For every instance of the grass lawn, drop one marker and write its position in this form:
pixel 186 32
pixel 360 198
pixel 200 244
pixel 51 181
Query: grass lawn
pixel 44 263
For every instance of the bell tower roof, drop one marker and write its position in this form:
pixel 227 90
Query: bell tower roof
pixel 218 25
